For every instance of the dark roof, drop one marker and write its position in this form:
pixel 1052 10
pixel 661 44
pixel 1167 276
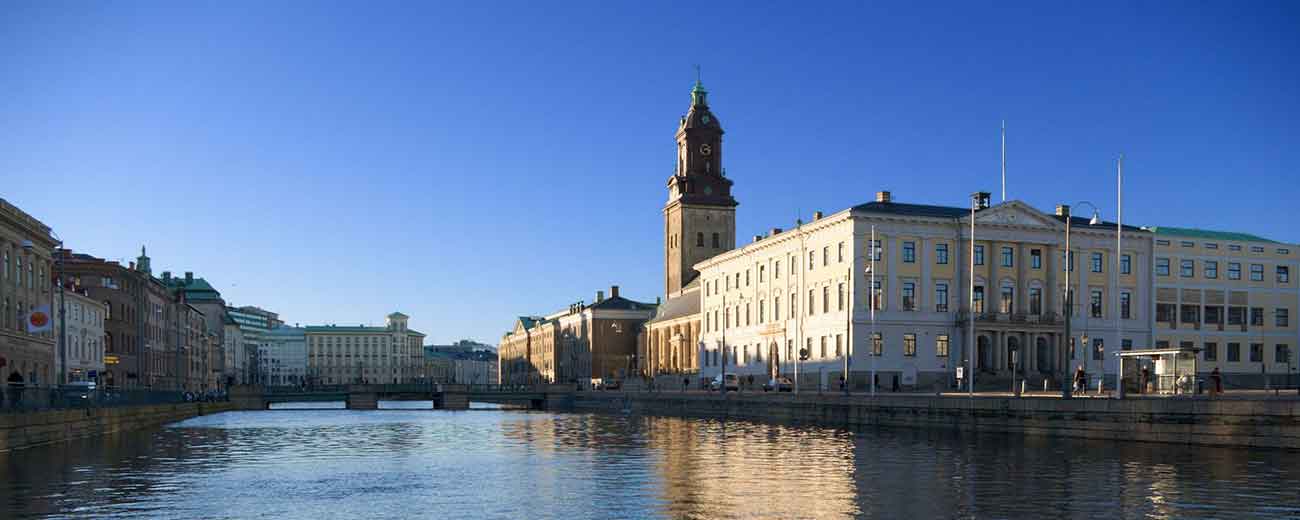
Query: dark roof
pixel 688 304
pixel 1206 233
pixel 1084 222
pixel 619 303
pixel 913 210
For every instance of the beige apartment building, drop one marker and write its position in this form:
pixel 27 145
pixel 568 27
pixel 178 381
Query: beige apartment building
pixel 807 288
pixel 1232 296
pixel 26 250
pixel 582 344
pixel 392 354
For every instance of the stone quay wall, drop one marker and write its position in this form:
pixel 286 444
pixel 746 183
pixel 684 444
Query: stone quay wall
pixel 25 430
pixel 1254 423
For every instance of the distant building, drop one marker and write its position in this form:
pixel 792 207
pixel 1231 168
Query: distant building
pixel 282 357
pixel 375 355
pixel 459 365
pixel 85 336
pixel 577 345
pixel 253 324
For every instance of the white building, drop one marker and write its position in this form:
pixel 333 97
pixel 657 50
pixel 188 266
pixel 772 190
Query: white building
pixel 282 356
pixel 85 336
pixel 806 288
pixel 374 355
pixel 235 353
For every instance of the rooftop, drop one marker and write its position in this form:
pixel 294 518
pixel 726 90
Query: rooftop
pixel 1205 233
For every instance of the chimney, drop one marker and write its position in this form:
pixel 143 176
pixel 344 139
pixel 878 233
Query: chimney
pixel 600 296
pixel 189 277
pixel 980 200
pixel 132 266
pixel 758 238
pixel 613 291
pixel 1062 210
pixel 774 232
pixel 167 276
pixel 817 215
pixel 883 197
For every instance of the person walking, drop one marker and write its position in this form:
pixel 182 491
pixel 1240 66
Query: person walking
pixel 1080 379
pixel 1216 379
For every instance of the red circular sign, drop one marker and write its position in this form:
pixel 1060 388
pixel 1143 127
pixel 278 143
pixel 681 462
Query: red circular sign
pixel 39 319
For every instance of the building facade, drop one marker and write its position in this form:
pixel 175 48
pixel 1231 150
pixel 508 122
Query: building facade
pixel 26 263
pixel 252 323
pixel 121 290
pixel 1233 297
pixel 392 354
pixel 283 358
pixel 582 344
pixel 805 291
pixel 85 336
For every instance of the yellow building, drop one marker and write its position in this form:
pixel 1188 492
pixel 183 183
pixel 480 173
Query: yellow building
pixel 1231 295
pixel 392 354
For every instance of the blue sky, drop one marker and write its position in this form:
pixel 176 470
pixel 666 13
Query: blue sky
pixel 467 162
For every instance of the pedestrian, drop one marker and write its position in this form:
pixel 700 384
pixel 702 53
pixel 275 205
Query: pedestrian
pixel 1080 379
pixel 686 383
pixel 1146 378
pixel 15 389
pixel 1217 379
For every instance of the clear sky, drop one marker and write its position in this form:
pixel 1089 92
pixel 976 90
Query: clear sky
pixel 467 162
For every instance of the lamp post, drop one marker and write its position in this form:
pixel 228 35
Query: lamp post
pixel 1069 294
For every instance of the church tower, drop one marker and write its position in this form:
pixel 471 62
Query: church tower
pixel 700 217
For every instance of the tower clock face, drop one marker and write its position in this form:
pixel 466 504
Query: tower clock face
pixel 706 150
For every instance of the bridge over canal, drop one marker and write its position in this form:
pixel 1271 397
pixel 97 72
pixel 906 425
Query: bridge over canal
pixel 443 396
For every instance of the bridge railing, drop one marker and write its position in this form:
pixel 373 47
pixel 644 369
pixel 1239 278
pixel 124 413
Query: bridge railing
pixel 31 398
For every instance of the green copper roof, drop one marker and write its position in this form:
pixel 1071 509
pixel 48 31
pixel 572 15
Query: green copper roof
pixel 1205 233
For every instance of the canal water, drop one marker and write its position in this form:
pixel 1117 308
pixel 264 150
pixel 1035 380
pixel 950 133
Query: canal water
pixel 395 463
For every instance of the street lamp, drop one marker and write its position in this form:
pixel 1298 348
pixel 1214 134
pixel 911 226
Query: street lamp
pixel 1069 292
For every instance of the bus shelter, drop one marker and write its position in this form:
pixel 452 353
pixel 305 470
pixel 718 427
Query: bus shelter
pixel 1159 371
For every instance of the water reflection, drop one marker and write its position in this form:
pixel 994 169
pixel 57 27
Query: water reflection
pixel 396 463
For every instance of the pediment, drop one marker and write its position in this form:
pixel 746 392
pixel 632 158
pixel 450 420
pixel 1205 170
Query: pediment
pixel 1016 213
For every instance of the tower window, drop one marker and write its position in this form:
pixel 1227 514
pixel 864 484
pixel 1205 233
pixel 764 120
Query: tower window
pixel 699 239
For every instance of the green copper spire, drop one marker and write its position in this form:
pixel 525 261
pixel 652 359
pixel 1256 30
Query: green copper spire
pixel 698 93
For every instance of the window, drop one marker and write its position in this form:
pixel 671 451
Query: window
pixel 699 239
pixel 1211 269
pixel 1282 251
pixel 746 277
pixel 1187 268
pixel 1126 344
pixel 979 300
pixel 1162 267
pixel 1211 351
pixel 1098 349
pixel 941 253
pixel 1234 271
pixel 762 273
pixel 839 345
pixel 716 243
pixel 1126 305
pixel 1236 315
pixel 909 252
pixel 877 344
pixel 812 302
pixel 1006 300
pixel 1283 318
pixel 1036 258
pixel 909 345
pixel 1070 258
pixel 1234 247
pixel 1256 249
pixel 1162 242
pixel 776 270
pixel 1096 262
pixel 1126 264
pixel 823 345
pixel 1283 274
pixel 826 299
pixel 1257 316
pixel 1234 352
pixel 1213 315
pixel 1281 354
pixel 878 251
pixel 840 252
pixel 979 255
pixel 1188 244
pixel 1191 314
pixel 1008 257
pixel 794 305
pixel 1096 303
pixel 747 314
pixel 1257 272
pixel 941 297
pixel 839 298
pixel 941 345
pixel 909 296
pixel 876 296
pixel 776 307
pixel 812 260
pixel 1256 352
pixel 1036 301
pixel 1211 245
pixel 826 255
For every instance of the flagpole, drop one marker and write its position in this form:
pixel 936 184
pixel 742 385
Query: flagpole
pixel 1004 160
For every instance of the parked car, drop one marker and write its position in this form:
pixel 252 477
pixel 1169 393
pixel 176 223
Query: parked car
pixel 77 393
pixel 780 384
pixel 732 383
